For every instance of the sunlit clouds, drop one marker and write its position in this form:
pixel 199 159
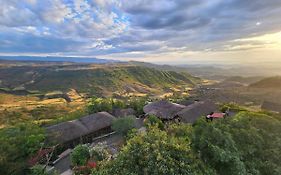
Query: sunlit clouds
pixel 176 31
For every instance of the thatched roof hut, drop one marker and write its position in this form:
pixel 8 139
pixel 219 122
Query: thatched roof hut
pixel 75 129
pixel 270 106
pixel 123 112
pixel 163 109
pixel 192 112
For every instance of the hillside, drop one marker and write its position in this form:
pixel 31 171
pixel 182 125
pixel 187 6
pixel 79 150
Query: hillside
pixel 243 80
pixel 270 83
pixel 93 79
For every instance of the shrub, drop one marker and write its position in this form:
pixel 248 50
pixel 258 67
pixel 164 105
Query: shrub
pixel 40 170
pixel 104 104
pixel 137 104
pixel 123 125
pixel 80 155
pixel 152 120
pixel 231 106
pixel 99 153
pixel 99 104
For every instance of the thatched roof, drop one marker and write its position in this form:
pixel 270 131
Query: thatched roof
pixel 163 109
pixel 123 112
pixel 192 112
pixel 270 106
pixel 67 131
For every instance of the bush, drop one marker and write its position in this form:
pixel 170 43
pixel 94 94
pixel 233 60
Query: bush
pixel 152 120
pixel 232 107
pixel 123 125
pixel 39 170
pixel 99 153
pixel 104 104
pixel 137 104
pixel 80 155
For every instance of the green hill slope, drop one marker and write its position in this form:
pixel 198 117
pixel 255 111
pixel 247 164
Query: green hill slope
pixel 94 79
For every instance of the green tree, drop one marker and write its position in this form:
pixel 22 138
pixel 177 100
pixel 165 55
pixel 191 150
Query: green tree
pixel 19 143
pixel 217 148
pixel 154 153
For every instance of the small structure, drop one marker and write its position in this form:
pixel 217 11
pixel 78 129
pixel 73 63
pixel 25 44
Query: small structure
pixel 124 112
pixel 192 112
pixel 218 115
pixel 270 106
pixel 81 130
pixel 163 109
pixel 215 115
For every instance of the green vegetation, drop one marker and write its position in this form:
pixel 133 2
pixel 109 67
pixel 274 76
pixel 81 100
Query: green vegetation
pixel 123 125
pixel 80 155
pixel 99 153
pixel 85 159
pixel 248 143
pixel 44 115
pixel 137 104
pixel 18 143
pixel 104 104
pixel 152 120
pixel 232 106
pixel 156 152
pixel 40 170
pixel 109 104
pixel 100 80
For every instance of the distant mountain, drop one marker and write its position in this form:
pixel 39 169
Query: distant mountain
pixel 94 79
pixel 58 59
pixel 271 82
pixel 215 72
pixel 243 80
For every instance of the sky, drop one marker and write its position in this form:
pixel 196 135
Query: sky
pixel 162 31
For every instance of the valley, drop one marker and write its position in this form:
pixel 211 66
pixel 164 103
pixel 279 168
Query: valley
pixel 41 98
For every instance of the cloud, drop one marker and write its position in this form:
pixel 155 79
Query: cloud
pixel 106 27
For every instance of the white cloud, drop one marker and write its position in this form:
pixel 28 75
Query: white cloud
pixel 142 27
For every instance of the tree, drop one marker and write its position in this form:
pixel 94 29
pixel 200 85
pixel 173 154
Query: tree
pixel 217 148
pixel 18 143
pixel 249 142
pixel 156 153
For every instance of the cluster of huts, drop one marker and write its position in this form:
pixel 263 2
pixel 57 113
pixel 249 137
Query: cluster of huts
pixel 83 130
pixel 86 129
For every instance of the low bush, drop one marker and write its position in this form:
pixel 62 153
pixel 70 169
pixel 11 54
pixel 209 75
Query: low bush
pixel 80 155
pixel 123 125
